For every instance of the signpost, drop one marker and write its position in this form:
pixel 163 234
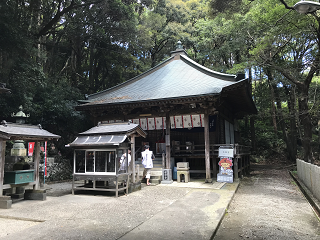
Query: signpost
pixel 226 155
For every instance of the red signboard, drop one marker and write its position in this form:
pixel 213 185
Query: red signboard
pixel 30 148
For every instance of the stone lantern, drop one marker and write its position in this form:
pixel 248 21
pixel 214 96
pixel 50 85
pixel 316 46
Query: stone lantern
pixel 18 148
pixel 20 116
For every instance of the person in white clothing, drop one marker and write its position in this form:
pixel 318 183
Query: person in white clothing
pixel 123 161
pixel 147 162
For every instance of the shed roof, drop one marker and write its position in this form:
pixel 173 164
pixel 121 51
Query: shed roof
pixel 25 131
pixel 115 128
pixel 107 134
pixel 103 140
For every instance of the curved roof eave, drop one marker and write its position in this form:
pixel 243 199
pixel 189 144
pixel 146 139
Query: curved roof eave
pixel 92 104
pixel 223 76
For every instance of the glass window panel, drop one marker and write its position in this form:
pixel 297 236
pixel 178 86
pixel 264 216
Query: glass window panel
pixel 89 161
pixel 119 155
pixel 80 161
pixel 122 161
pixel 111 161
pixel 101 158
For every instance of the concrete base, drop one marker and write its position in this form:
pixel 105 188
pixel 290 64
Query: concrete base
pixel 224 178
pixel 186 175
pixel 5 202
pixel 166 176
pixel 20 190
pixel 209 180
pixel 133 187
pixel 31 194
pixel 17 195
pixel 166 182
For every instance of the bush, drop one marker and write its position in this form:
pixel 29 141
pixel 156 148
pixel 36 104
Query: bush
pixel 60 170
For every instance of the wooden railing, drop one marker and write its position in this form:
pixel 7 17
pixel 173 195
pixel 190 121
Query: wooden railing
pixel 241 160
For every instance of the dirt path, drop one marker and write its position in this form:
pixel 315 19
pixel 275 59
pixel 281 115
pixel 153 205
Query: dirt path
pixel 269 205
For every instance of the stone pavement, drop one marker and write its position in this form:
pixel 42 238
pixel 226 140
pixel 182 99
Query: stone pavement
pixel 191 210
pixel 269 205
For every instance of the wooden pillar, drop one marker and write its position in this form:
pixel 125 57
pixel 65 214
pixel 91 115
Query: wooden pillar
pixel 235 168
pixel 36 165
pixel 207 146
pixel 133 159
pixel 215 164
pixel 168 127
pixel 2 161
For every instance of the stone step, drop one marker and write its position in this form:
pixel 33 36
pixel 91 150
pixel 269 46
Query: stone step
pixel 155 181
pixel 156 171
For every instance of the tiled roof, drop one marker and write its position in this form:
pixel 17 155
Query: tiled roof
pixel 7 130
pixel 113 128
pixel 170 79
pixel 107 134
pixel 103 140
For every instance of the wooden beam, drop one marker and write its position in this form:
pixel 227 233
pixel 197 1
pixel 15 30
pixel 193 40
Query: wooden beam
pixel 26 138
pixel 168 127
pixel 150 103
pixel 2 160
pixel 207 146
pixel 133 158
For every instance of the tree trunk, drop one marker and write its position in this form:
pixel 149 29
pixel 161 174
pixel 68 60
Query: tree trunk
pixel 307 127
pixel 288 140
pixel 273 107
pixel 253 134
pixel 293 124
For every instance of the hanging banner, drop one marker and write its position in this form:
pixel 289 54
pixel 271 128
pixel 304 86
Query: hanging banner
pixel 187 121
pixel 173 123
pixel 178 121
pixel 136 121
pixel 30 148
pixel 202 120
pixel 151 125
pixel 144 123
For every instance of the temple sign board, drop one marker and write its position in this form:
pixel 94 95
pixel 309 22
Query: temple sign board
pixel 226 155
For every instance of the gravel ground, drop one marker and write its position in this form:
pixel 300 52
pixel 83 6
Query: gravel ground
pixel 84 217
pixel 269 205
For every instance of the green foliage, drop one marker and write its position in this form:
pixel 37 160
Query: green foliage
pixel 54 52
pixel 60 170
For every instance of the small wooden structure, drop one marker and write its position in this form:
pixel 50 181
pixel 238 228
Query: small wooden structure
pixel 16 131
pixel 100 157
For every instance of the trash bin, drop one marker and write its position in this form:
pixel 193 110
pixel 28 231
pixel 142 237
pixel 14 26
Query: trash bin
pixel 174 175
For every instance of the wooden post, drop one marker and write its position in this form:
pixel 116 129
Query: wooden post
pixel 2 160
pixel 168 127
pixel 215 164
pixel 36 165
pixel 235 167
pixel 207 146
pixel 163 160
pixel 133 158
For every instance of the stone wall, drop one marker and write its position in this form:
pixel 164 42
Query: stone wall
pixel 309 174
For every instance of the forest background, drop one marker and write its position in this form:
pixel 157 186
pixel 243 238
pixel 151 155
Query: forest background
pixel 54 52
